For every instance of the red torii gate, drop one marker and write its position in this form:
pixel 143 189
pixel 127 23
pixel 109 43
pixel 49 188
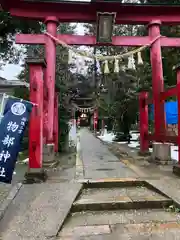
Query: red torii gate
pixel 54 12
pixel 156 60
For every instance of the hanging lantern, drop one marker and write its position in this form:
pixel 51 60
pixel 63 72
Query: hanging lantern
pixel 140 61
pixel 106 67
pixel 116 65
pixel 131 62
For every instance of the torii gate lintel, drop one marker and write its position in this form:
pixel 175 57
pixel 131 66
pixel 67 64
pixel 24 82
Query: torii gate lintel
pixel 125 14
pixel 126 41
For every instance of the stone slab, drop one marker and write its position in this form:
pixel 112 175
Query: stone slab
pixel 4 191
pixel 120 216
pixel 85 231
pixel 169 186
pixel 118 194
pixel 38 211
pixel 9 198
pixel 112 183
pixel 147 231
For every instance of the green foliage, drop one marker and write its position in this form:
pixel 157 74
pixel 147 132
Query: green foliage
pixel 9 26
pixel 63 77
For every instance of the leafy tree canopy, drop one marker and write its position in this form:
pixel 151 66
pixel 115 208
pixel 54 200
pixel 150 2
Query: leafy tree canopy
pixel 9 26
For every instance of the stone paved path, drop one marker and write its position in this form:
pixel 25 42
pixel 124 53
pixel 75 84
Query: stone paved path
pixel 98 161
pixel 117 212
pixel 39 210
pixel 111 202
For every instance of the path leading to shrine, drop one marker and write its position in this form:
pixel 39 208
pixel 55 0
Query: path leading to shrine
pixel 116 203
pixel 98 161
pixel 95 196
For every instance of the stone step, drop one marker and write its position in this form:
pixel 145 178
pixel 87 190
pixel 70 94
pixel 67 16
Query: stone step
pixel 120 216
pixel 105 223
pixel 112 182
pixel 119 198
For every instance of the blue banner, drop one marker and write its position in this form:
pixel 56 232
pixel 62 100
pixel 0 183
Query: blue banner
pixel 12 127
pixel 171 110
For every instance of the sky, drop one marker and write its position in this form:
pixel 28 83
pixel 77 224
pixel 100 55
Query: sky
pixel 10 71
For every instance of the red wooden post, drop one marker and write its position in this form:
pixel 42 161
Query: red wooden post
pixel 56 124
pixel 51 23
pixel 176 167
pixel 36 119
pixel 143 121
pixel 45 109
pixel 157 79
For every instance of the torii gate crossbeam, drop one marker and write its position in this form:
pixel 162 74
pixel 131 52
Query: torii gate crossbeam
pixel 126 41
pixel 156 59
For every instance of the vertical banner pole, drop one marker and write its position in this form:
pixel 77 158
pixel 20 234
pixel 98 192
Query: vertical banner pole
pixel 143 110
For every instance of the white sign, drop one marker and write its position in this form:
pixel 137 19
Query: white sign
pixel 18 108
pixel 2 172
pixel 12 126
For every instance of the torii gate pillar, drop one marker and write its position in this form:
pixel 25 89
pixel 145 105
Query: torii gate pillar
pixel 157 78
pixel 50 46
pixel 35 171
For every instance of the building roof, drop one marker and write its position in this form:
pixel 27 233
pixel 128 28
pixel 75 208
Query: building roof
pixel 4 83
